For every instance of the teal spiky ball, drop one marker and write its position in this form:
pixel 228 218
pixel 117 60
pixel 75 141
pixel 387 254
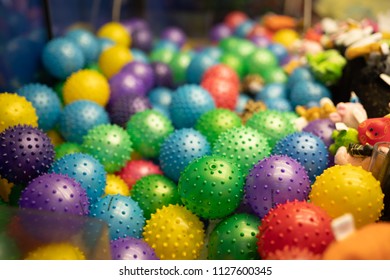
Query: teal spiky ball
pixel 244 145
pixel 274 124
pixel 211 187
pixel 148 130
pixel 110 144
pixel 212 123
pixel 234 238
pixel 153 192
pixel 66 149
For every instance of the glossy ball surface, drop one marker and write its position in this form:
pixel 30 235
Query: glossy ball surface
pixel 305 92
pixel 55 193
pixel 213 123
pixel 110 144
pixel 275 180
pixel 66 148
pixel 199 64
pixel 87 42
pixel 243 145
pixel 163 75
pixel 148 130
pixel 130 248
pixel 224 92
pixel 116 32
pixel 125 106
pixel 309 150
pixel 56 251
pixel 14 110
pixel 275 125
pixel 136 169
pixel 179 149
pixel 295 224
pixel 342 189
pixel 86 170
pixel 189 102
pixel 115 185
pixel 211 187
pixel 122 214
pixel 61 57
pixel 46 103
pixel 174 233
pixel 234 238
pixel 112 59
pixel 126 83
pixel 88 85
pixel 152 192
pixel 25 153
pixel 322 128
pixel 79 117
pixel 142 71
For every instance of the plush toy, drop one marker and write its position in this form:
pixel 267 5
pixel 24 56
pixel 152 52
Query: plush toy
pixel 313 113
pixel 343 157
pixel 349 113
pixel 252 107
pixel 374 130
pixel 372 242
pixel 343 138
pixel 327 66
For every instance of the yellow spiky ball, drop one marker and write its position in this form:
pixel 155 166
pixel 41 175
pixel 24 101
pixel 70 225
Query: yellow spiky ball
pixel 175 233
pixel 342 189
pixel 115 185
pixel 16 109
pixel 56 251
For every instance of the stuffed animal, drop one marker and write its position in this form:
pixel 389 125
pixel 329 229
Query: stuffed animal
pixel 342 157
pixel 343 138
pixel 349 113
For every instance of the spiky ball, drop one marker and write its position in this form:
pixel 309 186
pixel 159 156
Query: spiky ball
pixel 174 233
pixel 25 153
pixel 244 145
pixel 342 189
pixel 274 180
pixel 56 251
pixel 131 248
pixel 61 57
pixel 296 224
pixel 135 169
pixel 115 185
pixel 46 103
pixel 189 102
pixel 125 106
pixel 212 186
pixel 79 117
pixel 122 214
pixel 148 130
pixel 86 85
pixel 66 148
pixel 110 144
pixel 14 110
pixel 273 124
pixel 179 149
pixel 308 149
pixel 153 192
pixel 55 193
pixel 212 123
pixel 293 253
pixel 86 170
pixel 322 128
pixel 234 238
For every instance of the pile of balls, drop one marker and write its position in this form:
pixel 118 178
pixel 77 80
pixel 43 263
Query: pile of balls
pixel 185 152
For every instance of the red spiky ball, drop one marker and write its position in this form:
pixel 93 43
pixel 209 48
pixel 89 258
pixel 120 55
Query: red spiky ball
pixel 224 92
pixel 295 224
